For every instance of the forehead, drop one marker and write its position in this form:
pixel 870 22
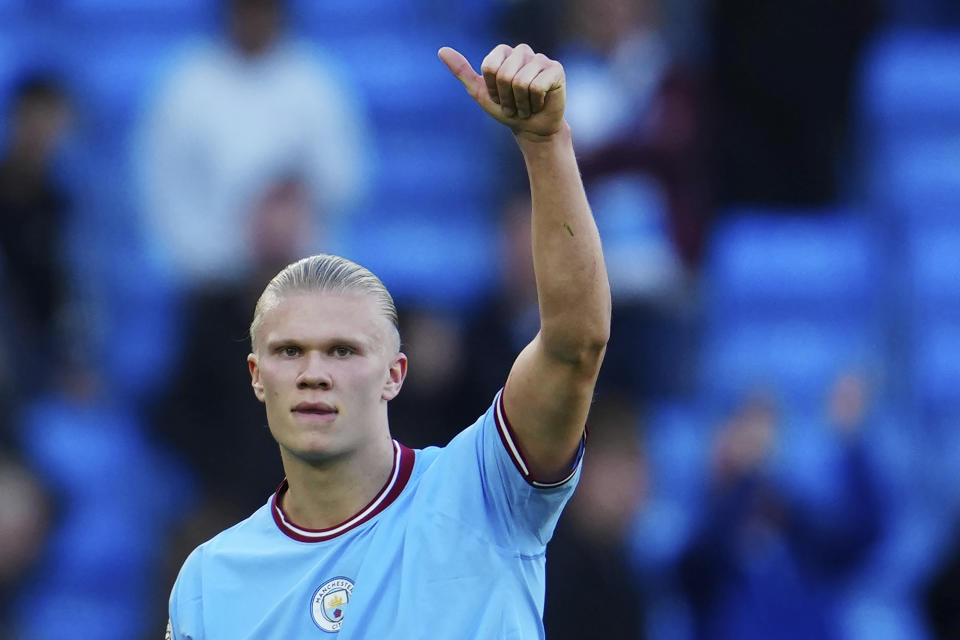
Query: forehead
pixel 323 315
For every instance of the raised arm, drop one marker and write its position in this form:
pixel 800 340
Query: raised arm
pixel 550 387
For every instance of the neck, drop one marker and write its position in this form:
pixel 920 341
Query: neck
pixel 323 495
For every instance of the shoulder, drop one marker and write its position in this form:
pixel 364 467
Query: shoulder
pixel 253 532
pixel 192 70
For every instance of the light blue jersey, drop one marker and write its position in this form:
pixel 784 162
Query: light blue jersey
pixel 452 547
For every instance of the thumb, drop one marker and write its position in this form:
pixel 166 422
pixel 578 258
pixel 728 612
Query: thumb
pixel 458 66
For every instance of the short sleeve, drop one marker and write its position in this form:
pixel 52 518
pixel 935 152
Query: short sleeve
pixel 482 479
pixel 186 601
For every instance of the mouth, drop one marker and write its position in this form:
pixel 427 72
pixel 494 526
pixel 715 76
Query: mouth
pixel 315 409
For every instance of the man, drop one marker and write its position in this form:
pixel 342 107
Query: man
pixel 34 210
pixel 366 538
pixel 237 115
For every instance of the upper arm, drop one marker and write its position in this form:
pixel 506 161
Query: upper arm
pixel 546 399
pixel 186 601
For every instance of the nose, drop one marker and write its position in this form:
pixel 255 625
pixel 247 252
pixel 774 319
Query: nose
pixel 315 374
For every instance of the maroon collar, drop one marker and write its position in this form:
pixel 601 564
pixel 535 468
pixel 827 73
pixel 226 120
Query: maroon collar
pixel 403 459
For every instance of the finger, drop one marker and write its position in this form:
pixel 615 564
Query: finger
pixel 551 79
pixel 474 83
pixel 521 84
pixel 508 70
pixel 459 66
pixel 491 65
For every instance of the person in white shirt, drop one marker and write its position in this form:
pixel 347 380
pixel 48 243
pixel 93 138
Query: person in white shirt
pixel 235 117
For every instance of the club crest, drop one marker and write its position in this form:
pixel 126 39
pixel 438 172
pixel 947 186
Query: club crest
pixel 329 603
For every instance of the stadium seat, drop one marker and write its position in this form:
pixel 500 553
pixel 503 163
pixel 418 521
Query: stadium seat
pixel 937 349
pixel 443 171
pixel 911 174
pixel 98 570
pixel 447 264
pixel 911 80
pixel 933 296
pixel 909 102
pixel 934 268
pixel 117 72
pixel 333 18
pixel 113 13
pixel 768 264
pixel 790 303
pixel 796 362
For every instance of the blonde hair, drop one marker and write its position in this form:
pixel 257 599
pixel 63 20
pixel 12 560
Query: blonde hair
pixel 323 273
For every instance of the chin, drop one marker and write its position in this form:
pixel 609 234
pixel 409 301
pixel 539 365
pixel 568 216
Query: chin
pixel 314 449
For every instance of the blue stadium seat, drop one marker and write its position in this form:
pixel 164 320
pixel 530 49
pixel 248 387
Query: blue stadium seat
pixel 911 80
pixel 770 265
pixel 444 170
pixel 937 369
pixel 910 116
pixel 401 77
pixel 448 264
pixel 912 174
pixel 933 266
pixel 333 18
pixel 99 568
pixel 796 362
pixel 111 13
pixel 933 274
pixel 117 72
pixel 790 303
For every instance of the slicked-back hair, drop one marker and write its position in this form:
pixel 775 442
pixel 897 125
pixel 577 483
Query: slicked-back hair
pixel 323 273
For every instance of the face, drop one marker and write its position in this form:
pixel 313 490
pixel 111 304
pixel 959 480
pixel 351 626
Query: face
pixel 254 26
pixel 39 127
pixel 325 366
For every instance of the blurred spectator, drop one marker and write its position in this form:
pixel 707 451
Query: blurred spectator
pixel 26 514
pixel 776 543
pixel 33 209
pixel 941 598
pixel 591 591
pixel 501 327
pixel 436 402
pixel 783 74
pixel 210 402
pixel 235 116
pixel 116 497
pixel 641 157
pixel 255 148
pixel 648 136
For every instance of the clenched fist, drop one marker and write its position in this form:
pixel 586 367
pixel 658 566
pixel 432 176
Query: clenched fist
pixel 524 90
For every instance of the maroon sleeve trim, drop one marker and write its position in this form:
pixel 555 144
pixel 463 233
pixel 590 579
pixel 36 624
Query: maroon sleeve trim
pixel 509 440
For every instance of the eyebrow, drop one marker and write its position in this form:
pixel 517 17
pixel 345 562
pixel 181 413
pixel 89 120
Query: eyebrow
pixel 276 343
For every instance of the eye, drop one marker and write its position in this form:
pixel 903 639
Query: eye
pixel 290 351
pixel 342 352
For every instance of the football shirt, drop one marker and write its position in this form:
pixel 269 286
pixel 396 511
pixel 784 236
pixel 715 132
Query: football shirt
pixel 453 546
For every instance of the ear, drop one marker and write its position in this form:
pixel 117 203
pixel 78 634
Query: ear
pixel 396 375
pixel 255 377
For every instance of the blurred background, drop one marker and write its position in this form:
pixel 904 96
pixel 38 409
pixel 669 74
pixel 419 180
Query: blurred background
pixel 775 444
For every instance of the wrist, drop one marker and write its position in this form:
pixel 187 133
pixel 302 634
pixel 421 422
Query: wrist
pixel 530 141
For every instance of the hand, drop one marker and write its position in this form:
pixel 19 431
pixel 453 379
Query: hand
pixel 519 88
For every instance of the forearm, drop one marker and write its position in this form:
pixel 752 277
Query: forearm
pixel 572 287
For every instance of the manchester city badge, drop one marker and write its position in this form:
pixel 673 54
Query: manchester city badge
pixel 329 602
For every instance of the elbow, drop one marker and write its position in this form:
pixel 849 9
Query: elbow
pixel 582 349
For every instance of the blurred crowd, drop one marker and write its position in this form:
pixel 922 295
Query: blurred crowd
pixel 774 449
